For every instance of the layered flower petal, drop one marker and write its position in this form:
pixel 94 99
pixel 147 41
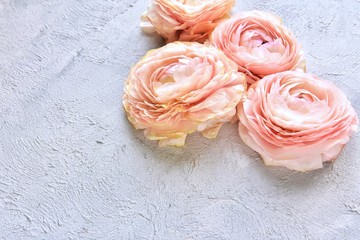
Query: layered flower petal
pixel 185 20
pixel 182 88
pixel 296 120
pixel 259 43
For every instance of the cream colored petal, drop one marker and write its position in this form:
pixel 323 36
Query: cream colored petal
pixel 145 25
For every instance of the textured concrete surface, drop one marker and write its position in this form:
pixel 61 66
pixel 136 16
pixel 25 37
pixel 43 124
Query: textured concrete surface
pixel 71 166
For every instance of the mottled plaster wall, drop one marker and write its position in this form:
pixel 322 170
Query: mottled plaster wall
pixel 71 166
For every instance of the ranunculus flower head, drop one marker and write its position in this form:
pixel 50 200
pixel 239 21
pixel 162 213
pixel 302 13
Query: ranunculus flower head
pixel 185 20
pixel 182 88
pixel 296 120
pixel 259 43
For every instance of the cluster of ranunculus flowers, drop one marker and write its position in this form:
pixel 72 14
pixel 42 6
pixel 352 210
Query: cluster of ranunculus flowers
pixel 248 67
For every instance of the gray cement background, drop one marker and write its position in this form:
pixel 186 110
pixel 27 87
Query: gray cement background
pixel 72 167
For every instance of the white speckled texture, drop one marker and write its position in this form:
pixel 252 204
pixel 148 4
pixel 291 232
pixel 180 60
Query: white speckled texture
pixel 72 167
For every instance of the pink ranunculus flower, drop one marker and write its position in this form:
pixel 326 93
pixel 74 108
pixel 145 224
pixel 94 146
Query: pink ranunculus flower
pixel 185 20
pixel 296 120
pixel 182 88
pixel 259 43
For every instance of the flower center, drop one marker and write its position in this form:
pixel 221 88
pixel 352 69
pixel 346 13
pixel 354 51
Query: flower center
pixel 261 45
pixel 182 77
pixel 254 38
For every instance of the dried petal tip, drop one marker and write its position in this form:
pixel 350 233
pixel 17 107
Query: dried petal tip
pixel 146 25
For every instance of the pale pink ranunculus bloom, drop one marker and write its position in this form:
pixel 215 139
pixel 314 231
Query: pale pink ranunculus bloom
pixel 185 20
pixel 259 43
pixel 182 88
pixel 296 120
